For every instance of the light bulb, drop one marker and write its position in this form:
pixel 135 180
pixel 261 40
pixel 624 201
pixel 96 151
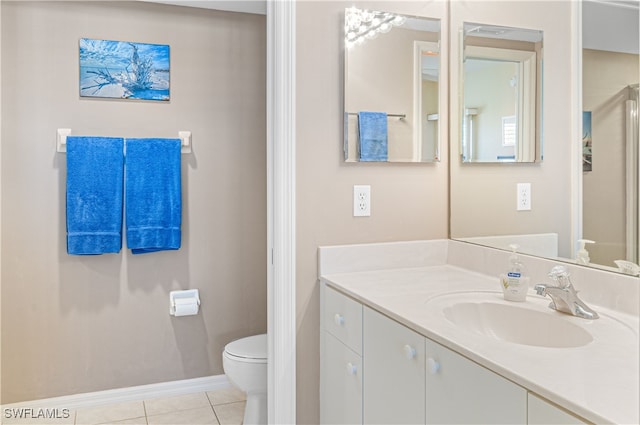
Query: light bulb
pixel 371 34
pixel 385 27
pixel 366 15
pixel 398 20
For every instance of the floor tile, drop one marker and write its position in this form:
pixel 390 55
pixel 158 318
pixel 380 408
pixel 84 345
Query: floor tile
pixel 134 421
pixel 199 416
pixel 227 395
pixel 110 413
pixel 163 405
pixel 231 413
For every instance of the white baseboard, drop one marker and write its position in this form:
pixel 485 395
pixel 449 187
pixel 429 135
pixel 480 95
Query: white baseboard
pixel 120 395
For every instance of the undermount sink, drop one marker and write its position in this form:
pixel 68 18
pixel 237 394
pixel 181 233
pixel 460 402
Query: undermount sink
pixel 516 323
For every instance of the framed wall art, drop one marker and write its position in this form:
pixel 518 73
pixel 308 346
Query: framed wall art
pixel 124 70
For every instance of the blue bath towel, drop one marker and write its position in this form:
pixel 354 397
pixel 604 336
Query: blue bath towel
pixel 95 169
pixel 153 195
pixel 372 128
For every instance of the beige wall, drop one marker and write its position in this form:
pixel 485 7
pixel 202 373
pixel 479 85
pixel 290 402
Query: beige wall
pixel 75 324
pixel 483 196
pixel 409 201
pixel 605 76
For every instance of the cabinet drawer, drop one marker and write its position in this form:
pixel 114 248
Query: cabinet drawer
pixel 342 317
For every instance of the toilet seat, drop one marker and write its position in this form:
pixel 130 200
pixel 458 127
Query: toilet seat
pixel 252 348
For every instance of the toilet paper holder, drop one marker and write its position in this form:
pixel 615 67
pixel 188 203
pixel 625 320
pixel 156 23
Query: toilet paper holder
pixel 186 297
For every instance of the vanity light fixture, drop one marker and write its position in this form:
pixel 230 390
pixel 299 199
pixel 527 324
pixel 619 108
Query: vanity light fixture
pixel 361 24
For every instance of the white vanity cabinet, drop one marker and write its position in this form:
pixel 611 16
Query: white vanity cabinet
pixel 541 412
pixel 460 391
pixel 375 370
pixel 394 367
pixel 340 359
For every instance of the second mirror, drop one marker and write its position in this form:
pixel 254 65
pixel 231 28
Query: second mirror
pixel 392 87
pixel 502 87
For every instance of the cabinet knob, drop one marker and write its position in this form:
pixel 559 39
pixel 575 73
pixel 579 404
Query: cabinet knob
pixel 433 366
pixel 339 319
pixel 352 369
pixel 409 352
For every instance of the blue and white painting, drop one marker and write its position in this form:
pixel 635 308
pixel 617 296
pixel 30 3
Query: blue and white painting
pixel 587 152
pixel 124 70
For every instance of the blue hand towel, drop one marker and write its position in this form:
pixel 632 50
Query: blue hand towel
pixel 372 128
pixel 94 195
pixel 153 195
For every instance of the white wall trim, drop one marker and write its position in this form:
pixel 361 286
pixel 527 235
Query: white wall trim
pixel 120 395
pixel 281 215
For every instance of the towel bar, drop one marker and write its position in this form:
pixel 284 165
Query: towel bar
pixel 401 116
pixel 62 133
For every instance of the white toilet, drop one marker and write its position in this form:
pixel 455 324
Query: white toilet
pixel 245 364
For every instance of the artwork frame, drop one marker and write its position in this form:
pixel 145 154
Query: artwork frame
pixel 124 70
pixel 587 152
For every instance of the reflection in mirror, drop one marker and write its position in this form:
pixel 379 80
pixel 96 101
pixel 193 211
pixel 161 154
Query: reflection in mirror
pixel 610 157
pixel 392 86
pixel 502 86
pixel 610 70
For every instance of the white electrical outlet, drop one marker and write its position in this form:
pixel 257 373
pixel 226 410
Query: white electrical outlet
pixel 524 197
pixel 361 200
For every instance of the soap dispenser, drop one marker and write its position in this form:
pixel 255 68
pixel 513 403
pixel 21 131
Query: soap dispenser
pixel 514 284
pixel 583 255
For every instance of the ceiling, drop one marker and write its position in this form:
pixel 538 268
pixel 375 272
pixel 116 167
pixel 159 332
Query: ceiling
pixel 611 25
pixel 607 24
pixel 245 6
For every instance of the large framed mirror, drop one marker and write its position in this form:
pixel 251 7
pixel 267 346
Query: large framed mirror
pixel 584 189
pixel 392 87
pixel 501 69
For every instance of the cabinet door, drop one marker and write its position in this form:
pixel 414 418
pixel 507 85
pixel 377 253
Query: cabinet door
pixel 340 383
pixel 394 371
pixel 542 412
pixel 460 391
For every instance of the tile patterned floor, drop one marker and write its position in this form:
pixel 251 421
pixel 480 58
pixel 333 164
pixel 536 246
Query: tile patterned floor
pixel 221 407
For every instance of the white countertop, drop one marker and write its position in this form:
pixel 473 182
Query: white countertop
pixel 598 381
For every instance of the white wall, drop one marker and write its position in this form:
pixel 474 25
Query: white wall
pixel 75 324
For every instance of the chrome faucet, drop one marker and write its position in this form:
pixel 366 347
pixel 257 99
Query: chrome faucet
pixel 564 296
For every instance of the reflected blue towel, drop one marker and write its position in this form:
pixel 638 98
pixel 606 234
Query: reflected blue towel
pixel 94 195
pixel 372 128
pixel 153 195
